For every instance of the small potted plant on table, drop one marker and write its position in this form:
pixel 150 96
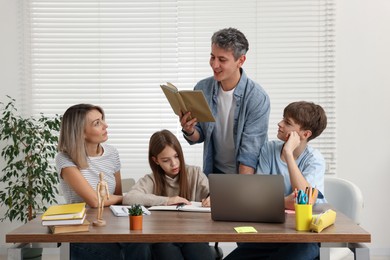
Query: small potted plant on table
pixel 135 217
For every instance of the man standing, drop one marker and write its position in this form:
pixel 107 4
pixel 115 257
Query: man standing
pixel 240 106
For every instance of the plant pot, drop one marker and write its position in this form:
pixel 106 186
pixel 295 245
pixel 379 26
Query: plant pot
pixel 136 222
pixel 32 253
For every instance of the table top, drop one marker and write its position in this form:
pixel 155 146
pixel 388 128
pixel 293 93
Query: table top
pixel 178 226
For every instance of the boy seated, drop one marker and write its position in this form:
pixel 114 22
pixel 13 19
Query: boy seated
pixel 301 166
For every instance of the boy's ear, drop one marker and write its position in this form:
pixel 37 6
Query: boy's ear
pixel 307 134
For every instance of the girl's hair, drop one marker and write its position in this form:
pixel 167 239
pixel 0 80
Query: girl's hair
pixel 72 141
pixel 158 141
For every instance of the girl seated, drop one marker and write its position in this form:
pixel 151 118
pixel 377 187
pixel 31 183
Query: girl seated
pixel 171 182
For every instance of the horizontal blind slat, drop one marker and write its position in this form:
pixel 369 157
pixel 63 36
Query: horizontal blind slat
pixel 117 53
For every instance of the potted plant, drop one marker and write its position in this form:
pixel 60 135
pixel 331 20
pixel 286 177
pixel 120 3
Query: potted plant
pixel 135 217
pixel 28 146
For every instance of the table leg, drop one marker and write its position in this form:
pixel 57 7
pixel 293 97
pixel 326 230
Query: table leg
pixel 361 251
pixel 15 252
pixel 324 253
pixel 64 251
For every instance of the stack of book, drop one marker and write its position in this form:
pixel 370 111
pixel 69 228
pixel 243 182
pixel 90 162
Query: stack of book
pixel 66 218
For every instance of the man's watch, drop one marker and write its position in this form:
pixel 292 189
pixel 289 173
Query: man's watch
pixel 187 134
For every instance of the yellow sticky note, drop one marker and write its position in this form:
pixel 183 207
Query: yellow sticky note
pixel 245 230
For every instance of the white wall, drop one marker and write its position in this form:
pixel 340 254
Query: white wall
pixel 8 49
pixel 9 80
pixel 363 92
pixel 363 104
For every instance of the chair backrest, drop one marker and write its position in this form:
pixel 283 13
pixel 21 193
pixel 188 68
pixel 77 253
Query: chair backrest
pixel 127 183
pixel 345 196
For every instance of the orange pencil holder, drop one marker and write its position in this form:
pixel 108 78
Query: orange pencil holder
pixel 303 216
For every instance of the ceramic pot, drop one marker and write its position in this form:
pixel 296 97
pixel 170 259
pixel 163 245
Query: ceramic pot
pixel 135 222
pixel 32 253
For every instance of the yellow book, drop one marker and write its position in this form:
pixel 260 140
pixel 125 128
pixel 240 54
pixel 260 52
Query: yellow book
pixel 56 229
pixel 185 101
pixel 73 221
pixel 65 212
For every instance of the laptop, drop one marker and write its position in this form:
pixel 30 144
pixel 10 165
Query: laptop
pixel 247 198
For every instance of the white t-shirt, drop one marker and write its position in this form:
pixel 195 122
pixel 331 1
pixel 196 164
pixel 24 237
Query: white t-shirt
pixel 224 159
pixel 108 163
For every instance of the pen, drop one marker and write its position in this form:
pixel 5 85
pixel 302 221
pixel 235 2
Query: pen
pixel 309 201
pixel 180 205
pixel 314 195
pixel 296 196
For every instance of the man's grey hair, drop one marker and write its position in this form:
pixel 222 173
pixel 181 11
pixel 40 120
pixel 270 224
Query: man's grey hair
pixel 231 39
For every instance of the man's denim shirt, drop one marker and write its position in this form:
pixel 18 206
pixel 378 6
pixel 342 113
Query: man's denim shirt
pixel 251 119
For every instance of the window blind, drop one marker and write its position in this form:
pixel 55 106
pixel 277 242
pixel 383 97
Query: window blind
pixel 116 54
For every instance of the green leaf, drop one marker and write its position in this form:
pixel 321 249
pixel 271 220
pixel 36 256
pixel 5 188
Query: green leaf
pixel 29 147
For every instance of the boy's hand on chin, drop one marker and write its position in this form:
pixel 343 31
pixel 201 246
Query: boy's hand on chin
pixel 293 141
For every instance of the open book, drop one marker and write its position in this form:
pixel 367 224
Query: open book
pixel 195 206
pixel 193 101
pixel 123 210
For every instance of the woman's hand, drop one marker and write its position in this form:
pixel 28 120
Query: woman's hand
pixel 177 200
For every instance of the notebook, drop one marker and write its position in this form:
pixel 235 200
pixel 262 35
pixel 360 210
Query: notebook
pixel 123 210
pixel 247 198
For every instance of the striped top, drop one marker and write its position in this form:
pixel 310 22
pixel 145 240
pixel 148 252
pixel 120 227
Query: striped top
pixel 108 163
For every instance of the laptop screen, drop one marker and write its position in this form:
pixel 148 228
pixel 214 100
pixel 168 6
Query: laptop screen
pixel 247 198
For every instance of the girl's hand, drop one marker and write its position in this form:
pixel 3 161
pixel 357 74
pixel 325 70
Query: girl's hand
pixel 177 200
pixel 206 202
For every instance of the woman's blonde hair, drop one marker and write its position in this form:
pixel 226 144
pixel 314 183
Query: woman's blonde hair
pixel 72 141
pixel 158 141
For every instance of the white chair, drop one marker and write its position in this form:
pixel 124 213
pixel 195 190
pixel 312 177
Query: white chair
pixel 127 183
pixel 347 198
